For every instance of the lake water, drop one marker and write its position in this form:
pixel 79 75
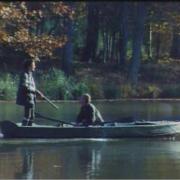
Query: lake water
pixel 92 159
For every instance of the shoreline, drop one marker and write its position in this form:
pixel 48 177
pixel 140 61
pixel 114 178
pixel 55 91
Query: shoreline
pixel 101 100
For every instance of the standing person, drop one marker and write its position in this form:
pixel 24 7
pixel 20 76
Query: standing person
pixel 26 95
pixel 88 114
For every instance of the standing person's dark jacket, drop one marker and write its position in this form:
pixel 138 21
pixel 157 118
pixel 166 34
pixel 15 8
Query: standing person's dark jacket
pixel 89 115
pixel 26 95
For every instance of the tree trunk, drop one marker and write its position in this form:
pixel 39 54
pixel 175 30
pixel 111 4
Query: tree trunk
pixel 68 49
pixel 92 32
pixel 123 33
pixel 157 46
pixel 138 33
pixel 175 48
pixel 105 47
pixel 150 42
pixel 113 47
pixel 108 45
pixel 117 48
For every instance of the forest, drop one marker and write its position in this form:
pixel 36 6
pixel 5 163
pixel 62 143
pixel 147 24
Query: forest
pixel 111 50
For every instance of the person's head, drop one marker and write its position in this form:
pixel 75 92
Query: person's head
pixel 29 65
pixel 85 99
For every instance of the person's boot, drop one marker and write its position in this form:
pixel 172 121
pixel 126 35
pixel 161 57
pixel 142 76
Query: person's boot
pixel 30 122
pixel 25 122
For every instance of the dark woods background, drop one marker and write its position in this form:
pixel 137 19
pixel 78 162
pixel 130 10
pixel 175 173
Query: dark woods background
pixel 109 49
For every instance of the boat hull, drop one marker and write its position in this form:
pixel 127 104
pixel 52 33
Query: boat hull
pixel 12 130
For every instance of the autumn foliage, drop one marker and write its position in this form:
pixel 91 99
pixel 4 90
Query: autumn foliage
pixel 21 26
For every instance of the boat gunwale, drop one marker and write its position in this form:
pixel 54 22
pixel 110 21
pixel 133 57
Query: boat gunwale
pixel 123 125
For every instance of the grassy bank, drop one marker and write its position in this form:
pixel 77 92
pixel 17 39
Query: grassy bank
pixel 102 83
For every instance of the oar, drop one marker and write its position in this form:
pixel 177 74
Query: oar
pixel 122 120
pixel 47 99
pixel 53 120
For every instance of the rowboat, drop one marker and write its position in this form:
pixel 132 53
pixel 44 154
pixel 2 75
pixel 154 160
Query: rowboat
pixel 112 130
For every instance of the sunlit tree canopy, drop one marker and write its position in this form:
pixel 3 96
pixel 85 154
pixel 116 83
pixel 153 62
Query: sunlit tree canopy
pixel 23 25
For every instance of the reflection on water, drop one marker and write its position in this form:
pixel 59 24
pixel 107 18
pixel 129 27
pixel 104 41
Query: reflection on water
pixel 62 160
pixel 91 159
pixel 27 165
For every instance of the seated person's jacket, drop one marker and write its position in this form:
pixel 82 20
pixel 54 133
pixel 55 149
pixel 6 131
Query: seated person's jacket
pixel 89 115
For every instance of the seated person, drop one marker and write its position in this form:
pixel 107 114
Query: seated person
pixel 89 114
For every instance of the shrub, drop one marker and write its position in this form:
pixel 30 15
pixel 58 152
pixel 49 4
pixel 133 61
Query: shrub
pixel 153 91
pixel 170 91
pixel 149 91
pixel 126 90
pixel 96 90
pixel 79 89
pixel 94 87
pixel 54 84
pixel 110 91
pixel 8 87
